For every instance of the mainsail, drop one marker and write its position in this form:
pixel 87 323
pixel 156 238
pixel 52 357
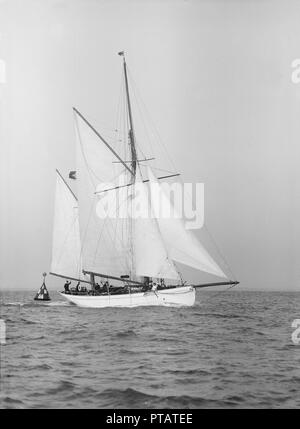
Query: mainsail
pixel 106 246
pixel 66 247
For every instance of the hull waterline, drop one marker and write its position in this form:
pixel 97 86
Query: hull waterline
pixel 175 297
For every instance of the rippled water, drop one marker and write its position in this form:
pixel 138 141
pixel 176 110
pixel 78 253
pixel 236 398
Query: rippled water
pixel 233 349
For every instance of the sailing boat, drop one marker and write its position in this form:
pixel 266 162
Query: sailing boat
pixel 43 294
pixel 135 258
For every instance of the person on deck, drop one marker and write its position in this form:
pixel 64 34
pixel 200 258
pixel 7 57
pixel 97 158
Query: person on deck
pixel 162 284
pixel 154 287
pixel 67 286
pixel 78 288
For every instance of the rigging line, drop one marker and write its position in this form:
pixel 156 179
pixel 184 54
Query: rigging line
pixel 113 241
pixel 141 113
pixel 137 143
pixel 123 127
pixel 178 271
pixel 119 103
pixel 67 185
pixel 92 175
pixel 100 237
pixel 146 131
pixel 119 137
pixel 137 140
pixel 219 252
pixel 139 148
pixel 100 137
pixel 159 169
pixel 90 213
pixel 152 123
pixel 75 218
pixel 90 171
pixel 223 291
pixel 126 126
pixel 111 138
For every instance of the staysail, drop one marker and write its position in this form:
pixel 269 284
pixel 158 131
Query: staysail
pixel 66 247
pixel 151 256
pixel 182 245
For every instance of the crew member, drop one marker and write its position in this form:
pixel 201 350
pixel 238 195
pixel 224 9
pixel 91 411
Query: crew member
pixel 67 286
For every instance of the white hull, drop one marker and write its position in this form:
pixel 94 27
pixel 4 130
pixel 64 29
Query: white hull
pixel 180 296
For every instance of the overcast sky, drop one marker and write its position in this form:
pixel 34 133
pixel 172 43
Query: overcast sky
pixel 216 79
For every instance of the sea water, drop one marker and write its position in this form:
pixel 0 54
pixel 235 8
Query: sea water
pixel 232 349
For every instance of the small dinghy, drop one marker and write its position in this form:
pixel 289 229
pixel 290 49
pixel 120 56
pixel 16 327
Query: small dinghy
pixel 43 294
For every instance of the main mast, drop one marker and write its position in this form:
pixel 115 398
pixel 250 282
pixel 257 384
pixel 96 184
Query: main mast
pixel 131 134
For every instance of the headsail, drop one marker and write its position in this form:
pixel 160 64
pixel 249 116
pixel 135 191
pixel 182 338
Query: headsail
pixel 66 247
pixel 151 256
pixel 182 245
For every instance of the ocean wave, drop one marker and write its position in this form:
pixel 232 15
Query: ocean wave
pixel 196 371
pixel 136 399
pixel 126 333
pixel 13 304
pixel 62 387
pixel 59 304
pixel 28 322
pixel 224 316
pixel 10 402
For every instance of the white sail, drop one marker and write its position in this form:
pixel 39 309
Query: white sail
pixel 151 257
pixel 66 248
pixel 105 240
pixel 182 245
